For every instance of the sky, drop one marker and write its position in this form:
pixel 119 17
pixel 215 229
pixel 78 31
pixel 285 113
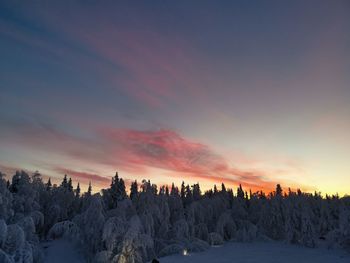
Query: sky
pixel 250 92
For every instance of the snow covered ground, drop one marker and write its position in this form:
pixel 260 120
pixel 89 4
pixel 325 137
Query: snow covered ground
pixel 271 252
pixel 59 251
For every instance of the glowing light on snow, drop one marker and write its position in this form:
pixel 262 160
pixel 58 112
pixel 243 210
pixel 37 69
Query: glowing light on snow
pixel 185 253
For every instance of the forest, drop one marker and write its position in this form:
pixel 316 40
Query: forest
pixel 147 222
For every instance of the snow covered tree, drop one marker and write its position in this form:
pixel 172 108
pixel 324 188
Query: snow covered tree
pixel 118 228
pixel 307 230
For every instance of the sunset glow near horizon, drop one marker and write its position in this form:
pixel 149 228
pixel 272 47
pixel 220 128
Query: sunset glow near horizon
pixel 250 92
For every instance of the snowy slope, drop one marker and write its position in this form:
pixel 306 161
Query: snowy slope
pixel 272 252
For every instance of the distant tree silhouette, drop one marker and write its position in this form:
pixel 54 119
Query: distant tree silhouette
pixel 240 192
pixel 196 192
pixel 174 190
pixel 133 190
pixel 48 185
pixel 64 182
pixel 279 190
pixel 182 191
pixel 223 187
pixel 89 190
pixel 121 193
pixel 70 185
pixel 77 191
pixel 215 189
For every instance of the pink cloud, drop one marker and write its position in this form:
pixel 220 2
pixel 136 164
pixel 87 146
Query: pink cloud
pixel 134 152
pixel 166 149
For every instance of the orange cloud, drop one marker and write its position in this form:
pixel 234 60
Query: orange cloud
pixel 167 150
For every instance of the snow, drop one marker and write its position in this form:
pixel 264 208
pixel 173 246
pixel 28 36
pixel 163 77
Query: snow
pixel 271 252
pixel 61 250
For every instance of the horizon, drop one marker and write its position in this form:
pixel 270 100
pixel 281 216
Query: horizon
pixel 56 182
pixel 233 92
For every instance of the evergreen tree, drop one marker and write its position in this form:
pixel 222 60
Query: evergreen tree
pixel 162 190
pixel 240 192
pixel 48 185
pixel 174 190
pixel 223 187
pixel 279 190
pixel 189 196
pixel 15 182
pixel 154 189
pixel 89 191
pixel 64 183
pixel 182 191
pixel 215 189
pixel 133 190
pixel 121 193
pixel 114 186
pixel 70 185
pixel 36 178
pixel 112 194
pixel 196 192
pixel 77 191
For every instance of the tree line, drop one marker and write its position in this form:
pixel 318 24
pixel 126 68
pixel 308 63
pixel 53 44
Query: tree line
pixel 146 222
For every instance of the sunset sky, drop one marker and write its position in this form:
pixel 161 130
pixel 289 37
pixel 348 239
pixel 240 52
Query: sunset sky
pixel 251 92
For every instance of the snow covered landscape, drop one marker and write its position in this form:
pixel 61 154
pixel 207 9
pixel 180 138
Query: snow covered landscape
pixel 61 250
pixel 167 131
pixel 41 222
pixel 274 252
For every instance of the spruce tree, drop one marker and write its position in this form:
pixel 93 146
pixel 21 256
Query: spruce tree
pixel 215 189
pixel 70 185
pixel 223 187
pixel 64 183
pixel 279 190
pixel 182 191
pixel 77 191
pixel 133 190
pixel 240 192
pixel 121 193
pixel 48 185
pixel 89 191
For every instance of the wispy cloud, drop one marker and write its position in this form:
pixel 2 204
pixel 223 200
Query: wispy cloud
pixel 135 151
